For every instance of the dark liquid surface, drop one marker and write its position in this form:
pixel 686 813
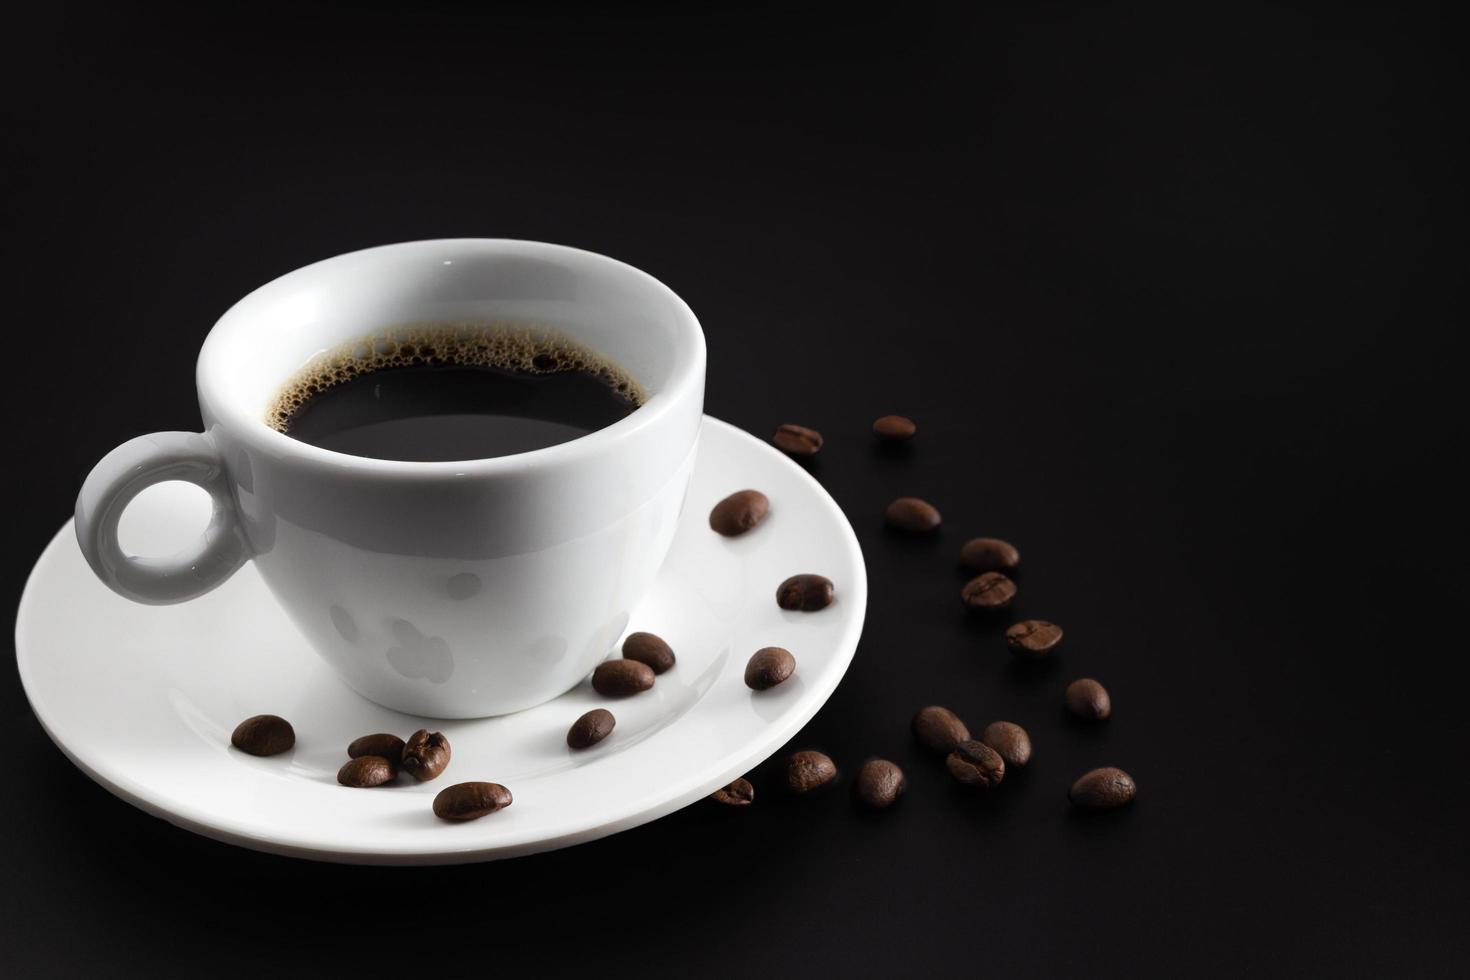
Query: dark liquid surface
pixel 435 412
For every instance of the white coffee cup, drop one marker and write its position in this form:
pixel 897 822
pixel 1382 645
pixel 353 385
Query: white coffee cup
pixel 449 589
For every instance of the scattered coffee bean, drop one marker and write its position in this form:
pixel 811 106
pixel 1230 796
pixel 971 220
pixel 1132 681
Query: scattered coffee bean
pixel 988 592
pixel 797 440
pixel 894 428
pixel 807 593
pixel 648 649
pixel 913 515
pixel 1103 789
pixel 768 667
pixel 939 729
pixel 425 755
pixel 879 783
pixel 263 735
pixel 367 770
pixel 738 793
pixel 389 747
pixel 739 512
pixel 1010 742
pixel 1033 638
pixel 990 555
pixel 808 770
pixel 976 764
pixel 1088 699
pixel 470 801
pixel 591 728
pixel 620 678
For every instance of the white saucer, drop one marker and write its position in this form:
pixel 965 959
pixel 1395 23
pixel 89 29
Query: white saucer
pixel 143 698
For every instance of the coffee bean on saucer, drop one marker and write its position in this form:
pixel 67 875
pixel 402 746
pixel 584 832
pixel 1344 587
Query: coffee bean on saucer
pixel 913 515
pixel 591 728
pixel 1010 742
pixel 879 783
pixel 1088 699
pixel 806 593
pixel 808 770
pixel 263 735
pixel 738 793
pixel 988 592
pixel 739 512
pixel 976 764
pixel 620 678
pixel 989 555
pixel 939 729
pixel 425 755
pixel 768 667
pixel 367 770
pixel 389 747
pixel 470 801
pixel 894 428
pixel 648 649
pixel 797 440
pixel 1033 638
pixel 1103 789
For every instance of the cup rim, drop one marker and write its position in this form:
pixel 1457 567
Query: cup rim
pixel 685 377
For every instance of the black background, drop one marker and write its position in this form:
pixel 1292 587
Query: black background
pixel 1170 292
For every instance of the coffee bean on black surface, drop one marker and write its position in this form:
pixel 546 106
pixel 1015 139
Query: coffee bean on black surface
pixel 1010 742
pixel 620 678
pixel 425 755
pixel 976 764
pixel 1103 789
pixel 939 729
pixel 1033 639
pixel 913 515
pixel 988 592
pixel 738 793
pixel 1088 699
pixel 806 593
pixel 894 428
pixel 263 735
pixel 990 555
pixel 591 728
pixel 648 649
pixel 739 512
pixel 797 440
pixel 879 783
pixel 768 667
pixel 367 770
pixel 808 770
pixel 388 746
pixel 470 801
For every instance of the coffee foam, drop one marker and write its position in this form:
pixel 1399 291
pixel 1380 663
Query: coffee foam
pixel 532 350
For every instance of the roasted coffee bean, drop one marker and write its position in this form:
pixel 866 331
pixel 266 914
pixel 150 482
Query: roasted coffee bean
pixel 768 667
pixel 470 801
pixel 988 592
pixel 879 783
pixel 939 729
pixel 367 770
pixel 976 764
pixel 620 678
pixel 739 512
pixel 894 428
pixel 797 440
pixel 648 649
pixel 389 747
pixel 263 735
pixel 425 755
pixel 808 770
pixel 1103 789
pixel 738 793
pixel 1088 699
pixel 1033 638
pixel 591 728
pixel 1010 742
pixel 807 593
pixel 913 515
pixel 990 555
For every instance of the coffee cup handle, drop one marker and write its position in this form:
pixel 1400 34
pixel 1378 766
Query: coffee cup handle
pixel 122 475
